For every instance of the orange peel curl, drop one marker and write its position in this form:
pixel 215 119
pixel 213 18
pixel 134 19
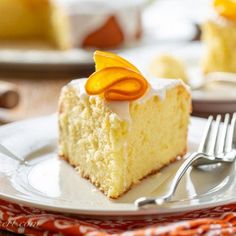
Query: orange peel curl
pixel 117 84
pixel 115 78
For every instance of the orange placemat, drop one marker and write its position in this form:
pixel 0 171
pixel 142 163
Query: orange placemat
pixel 32 221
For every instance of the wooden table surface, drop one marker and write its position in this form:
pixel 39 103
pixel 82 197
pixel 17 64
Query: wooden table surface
pixel 39 93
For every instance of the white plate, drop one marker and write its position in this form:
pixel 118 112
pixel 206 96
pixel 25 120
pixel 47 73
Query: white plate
pixel 38 56
pixel 212 99
pixel 43 180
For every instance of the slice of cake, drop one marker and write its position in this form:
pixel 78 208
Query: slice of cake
pixel 116 128
pixel 219 37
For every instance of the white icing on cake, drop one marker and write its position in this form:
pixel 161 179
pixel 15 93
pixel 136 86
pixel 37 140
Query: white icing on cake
pixel 89 6
pixel 87 16
pixel 158 87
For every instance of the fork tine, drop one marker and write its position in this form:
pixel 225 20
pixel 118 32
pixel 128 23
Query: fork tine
pixel 213 136
pixel 222 136
pixel 206 131
pixel 230 134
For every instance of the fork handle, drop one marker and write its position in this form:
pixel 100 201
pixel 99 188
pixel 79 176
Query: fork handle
pixel 143 201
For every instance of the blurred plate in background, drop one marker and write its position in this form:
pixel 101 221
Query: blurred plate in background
pixel 216 97
pixel 32 58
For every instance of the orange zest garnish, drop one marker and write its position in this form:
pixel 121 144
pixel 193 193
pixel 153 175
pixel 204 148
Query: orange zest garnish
pixel 117 84
pixel 115 78
pixel 108 59
pixel 226 8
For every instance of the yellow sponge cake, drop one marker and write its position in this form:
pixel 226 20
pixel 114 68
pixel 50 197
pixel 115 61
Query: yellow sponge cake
pixel 219 37
pixel 116 143
pixel 33 20
pixel 23 19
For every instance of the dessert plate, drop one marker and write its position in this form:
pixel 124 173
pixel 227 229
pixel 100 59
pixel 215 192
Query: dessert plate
pixel 36 176
pixel 38 56
pixel 214 98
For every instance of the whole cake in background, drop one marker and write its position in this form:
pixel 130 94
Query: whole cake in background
pixel 116 127
pixel 65 24
pixel 219 37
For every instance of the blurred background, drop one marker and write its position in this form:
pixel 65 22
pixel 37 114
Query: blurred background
pixel 44 44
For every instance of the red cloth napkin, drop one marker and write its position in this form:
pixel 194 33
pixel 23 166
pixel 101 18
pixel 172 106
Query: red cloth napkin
pixel 32 221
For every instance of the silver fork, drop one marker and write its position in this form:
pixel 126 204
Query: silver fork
pixel 216 147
